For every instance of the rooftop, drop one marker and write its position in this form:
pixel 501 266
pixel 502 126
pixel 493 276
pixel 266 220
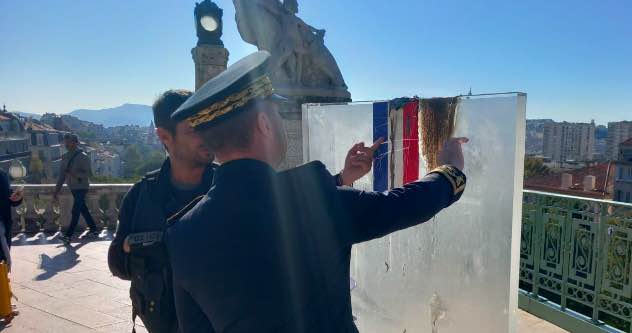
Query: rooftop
pixel 37 126
pixel 603 172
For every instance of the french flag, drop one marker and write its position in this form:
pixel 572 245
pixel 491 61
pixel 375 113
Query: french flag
pixel 397 161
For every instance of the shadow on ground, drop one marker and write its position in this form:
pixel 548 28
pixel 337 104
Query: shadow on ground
pixel 63 261
pixel 59 263
pixel 44 239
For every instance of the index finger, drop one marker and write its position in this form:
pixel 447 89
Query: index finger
pixel 376 145
pixel 356 147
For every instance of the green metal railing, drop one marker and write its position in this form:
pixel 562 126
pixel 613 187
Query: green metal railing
pixel 575 262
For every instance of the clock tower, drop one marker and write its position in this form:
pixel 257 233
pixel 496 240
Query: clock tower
pixel 210 55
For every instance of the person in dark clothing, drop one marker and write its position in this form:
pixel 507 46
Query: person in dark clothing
pixel 75 170
pixel 137 253
pixel 267 251
pixel 8 199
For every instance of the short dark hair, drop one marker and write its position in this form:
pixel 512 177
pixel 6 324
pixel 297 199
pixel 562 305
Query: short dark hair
pixel 71 137
pixel 166 104
pixel 233 133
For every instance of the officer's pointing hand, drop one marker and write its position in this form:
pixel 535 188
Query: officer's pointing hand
pixel 452 153
pixel 359 161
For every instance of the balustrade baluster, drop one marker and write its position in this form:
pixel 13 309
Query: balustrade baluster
pixel 113 210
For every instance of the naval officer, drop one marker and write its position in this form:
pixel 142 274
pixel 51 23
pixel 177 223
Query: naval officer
pixel 268 251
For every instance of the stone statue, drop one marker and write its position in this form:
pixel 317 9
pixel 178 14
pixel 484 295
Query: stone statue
pixel 300 59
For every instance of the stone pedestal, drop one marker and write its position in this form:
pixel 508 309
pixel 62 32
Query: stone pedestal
pixel 292 120
pixel 209 61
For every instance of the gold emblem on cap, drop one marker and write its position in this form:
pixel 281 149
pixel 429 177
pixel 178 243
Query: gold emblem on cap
pixel 261 87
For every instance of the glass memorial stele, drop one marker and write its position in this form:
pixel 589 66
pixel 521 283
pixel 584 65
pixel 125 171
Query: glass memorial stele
pixel 457 272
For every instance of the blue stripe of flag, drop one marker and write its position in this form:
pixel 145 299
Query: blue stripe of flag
pixel 380 130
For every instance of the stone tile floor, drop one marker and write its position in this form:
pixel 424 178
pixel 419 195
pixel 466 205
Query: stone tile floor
pixel 70 289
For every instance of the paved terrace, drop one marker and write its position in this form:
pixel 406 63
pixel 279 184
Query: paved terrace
pixel 70 289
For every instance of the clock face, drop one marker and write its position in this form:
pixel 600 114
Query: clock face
pixel 209 23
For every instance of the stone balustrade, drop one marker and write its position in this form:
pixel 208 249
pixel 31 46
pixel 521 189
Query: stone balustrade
pixel 40 213
pixel 575 252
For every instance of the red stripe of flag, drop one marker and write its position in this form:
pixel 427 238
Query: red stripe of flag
pixel 411 142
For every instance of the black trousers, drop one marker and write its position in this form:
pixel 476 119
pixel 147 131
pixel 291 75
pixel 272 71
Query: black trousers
pixel 79 208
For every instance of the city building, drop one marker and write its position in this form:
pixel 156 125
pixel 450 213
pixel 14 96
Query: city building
pixel 107 164
pixel 127 135
pixel 14 140
pixel 601 143
pixel 625 151
pixel 623 181
pixel 116 148
pixel 47 146
pixel 91 152
pixel 569 141
pixel 535 136
pixel 618 132
pixel 568 165
pixel 152 137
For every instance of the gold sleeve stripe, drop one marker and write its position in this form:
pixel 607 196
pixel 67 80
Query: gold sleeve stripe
pixel 454 176
pixel 261 87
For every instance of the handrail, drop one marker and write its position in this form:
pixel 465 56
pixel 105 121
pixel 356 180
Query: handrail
pixel 566 196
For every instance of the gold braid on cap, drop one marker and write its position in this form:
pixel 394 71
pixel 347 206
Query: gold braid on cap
pixel 261 87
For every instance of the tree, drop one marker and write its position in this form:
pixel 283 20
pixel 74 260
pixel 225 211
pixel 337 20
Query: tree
pixel 152 161
pixel 36 169
pixel 133 160
pixel 535 167
pixel 140 159
pixel 87 135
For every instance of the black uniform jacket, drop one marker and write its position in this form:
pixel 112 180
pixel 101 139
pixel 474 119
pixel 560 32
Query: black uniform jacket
pixel 5 208
pixel 270 252
pixel 146 207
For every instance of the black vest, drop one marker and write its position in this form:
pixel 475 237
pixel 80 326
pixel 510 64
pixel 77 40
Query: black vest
pixel 152 289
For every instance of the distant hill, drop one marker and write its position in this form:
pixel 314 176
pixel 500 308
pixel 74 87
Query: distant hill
pixel 126 114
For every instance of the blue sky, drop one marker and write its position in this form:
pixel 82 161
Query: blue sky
pixel 573 58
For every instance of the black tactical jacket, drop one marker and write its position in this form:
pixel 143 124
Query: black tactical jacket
pixel 144 211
